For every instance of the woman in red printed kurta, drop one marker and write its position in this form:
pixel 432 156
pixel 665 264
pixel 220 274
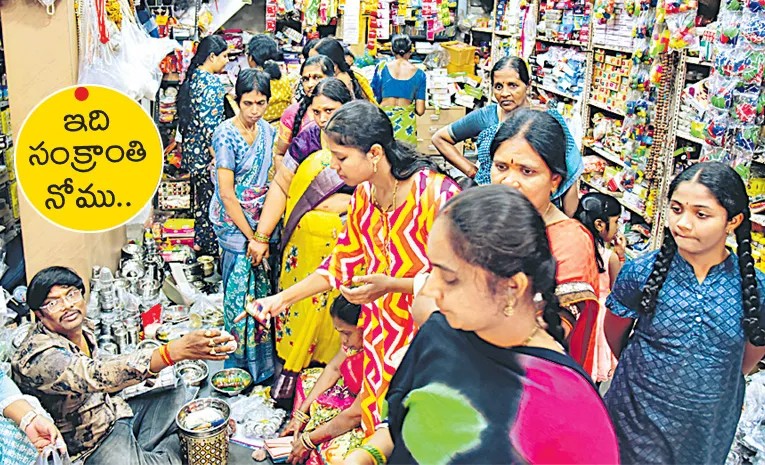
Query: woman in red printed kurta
pixel 383 245
pixel 529 154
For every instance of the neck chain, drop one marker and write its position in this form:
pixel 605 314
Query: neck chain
pixel 531 336
pixel 392 205
pixel 251 132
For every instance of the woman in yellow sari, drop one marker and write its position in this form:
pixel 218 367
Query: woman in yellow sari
pixel 313 199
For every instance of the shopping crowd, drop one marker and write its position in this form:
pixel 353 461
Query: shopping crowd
pixel 417 318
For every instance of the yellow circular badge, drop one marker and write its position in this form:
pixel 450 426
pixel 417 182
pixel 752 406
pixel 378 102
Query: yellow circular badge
pixel 89 158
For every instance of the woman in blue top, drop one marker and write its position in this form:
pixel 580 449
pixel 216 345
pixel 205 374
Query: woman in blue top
pixel 510 83
pixel 400 88
pixel 200 110
pixel 243 153
pixel 678 391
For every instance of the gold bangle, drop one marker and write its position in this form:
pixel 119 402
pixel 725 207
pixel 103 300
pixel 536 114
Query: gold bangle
pixel 362 450
pixel 306 440
pixel 260 237
pixel 300 416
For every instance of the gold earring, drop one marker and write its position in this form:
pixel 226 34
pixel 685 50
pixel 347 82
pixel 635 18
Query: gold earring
pixel 374 166
pixel 510 307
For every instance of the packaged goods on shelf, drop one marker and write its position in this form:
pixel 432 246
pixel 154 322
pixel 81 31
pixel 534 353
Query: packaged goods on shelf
pixel 564 21
pixel 508 16
pixel 606 137
pixel 694 104
pixel 623 183
pixel 562 69
pixel 167 104
pixel 732 124
pixel 611 80
pixel 448 89
pixel 612 27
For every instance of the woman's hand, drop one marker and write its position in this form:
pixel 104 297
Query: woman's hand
pixel 265 308
pixel 471 171
pixel 201 345
pixel 358 457
pixel 43 433
pixel 299 452
pixel 293 427
pixel 257 251
pixel 372 287
pixel 620 245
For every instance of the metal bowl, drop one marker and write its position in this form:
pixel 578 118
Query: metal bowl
pixel 148 344
pixel 175 314
pixel 131 252
pixel 191 372
pixel 186 412
pixel 132 269
pixel 236 377
pixel 148 289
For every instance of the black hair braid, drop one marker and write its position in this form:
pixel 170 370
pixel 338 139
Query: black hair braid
pixel 551 315
pixel 753 328
pixel 358 93
pixel 658 274
pixel 302 109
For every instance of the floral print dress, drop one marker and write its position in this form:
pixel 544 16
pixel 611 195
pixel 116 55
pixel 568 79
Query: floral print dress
pixel 207 112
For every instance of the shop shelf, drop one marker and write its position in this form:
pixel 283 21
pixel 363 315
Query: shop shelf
pixel 698 61
pixel 562 42
pixel 555 91
pixel 613 48
pixel 603 106
pixel 637 211
pixel 608 155
pixel 688 137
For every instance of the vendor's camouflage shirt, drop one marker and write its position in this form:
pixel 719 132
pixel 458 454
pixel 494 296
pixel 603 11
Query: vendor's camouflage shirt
pixel 74 388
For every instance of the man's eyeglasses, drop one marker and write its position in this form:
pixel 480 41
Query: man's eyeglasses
pixel 58 305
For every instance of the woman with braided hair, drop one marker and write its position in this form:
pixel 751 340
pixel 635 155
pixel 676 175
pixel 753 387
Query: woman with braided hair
pixel 297 117
pixel 479 379
pixel 313 200
pixel 679 388
pixel 356 82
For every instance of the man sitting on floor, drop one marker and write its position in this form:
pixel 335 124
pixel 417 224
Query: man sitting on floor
pixel 59 363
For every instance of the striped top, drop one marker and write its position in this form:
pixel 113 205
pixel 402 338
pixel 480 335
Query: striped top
pixel 393 244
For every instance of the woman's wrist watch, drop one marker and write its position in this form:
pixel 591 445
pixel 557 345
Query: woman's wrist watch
pixel 27 419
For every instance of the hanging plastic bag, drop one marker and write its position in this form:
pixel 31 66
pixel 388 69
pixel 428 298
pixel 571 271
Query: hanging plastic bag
pixel 51 455
pixel 50 6
pixel 730 24
pixel 745 108
pixel 682 28
pixel 753 28
pixel 717 127
pixel 721 92
pixel 125 59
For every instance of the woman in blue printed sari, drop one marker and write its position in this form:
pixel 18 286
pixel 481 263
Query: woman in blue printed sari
pixel 200 111
pixel 509 82
pixel 243 152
